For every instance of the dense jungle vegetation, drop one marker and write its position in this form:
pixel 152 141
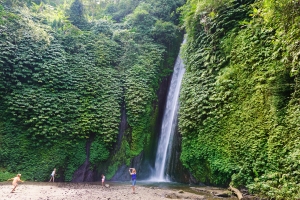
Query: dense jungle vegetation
pixel 67 67
pixel 240 99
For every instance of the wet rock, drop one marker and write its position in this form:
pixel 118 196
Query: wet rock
pixel 223 194
pixel 250 197
pixel 171 196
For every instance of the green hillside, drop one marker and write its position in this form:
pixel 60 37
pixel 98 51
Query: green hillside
pixel 240 108
pixel 66 69
pixel 75 73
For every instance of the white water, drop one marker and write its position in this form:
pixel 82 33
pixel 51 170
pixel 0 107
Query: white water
pixel 168 124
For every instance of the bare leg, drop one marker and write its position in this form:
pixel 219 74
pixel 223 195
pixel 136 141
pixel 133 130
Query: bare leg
pixel 52 178
pixel 14 189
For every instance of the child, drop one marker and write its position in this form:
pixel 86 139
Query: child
pixel 52 175
pixel 103 179
pixel 15 181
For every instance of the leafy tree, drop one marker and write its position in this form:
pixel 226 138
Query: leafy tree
pixel 76 14
pixel 164 32
pixel 120 9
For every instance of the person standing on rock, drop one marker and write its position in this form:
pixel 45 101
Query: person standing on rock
pixel 52 175
pixel 132 172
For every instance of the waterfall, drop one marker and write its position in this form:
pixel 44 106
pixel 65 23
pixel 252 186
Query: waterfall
pixel 168 124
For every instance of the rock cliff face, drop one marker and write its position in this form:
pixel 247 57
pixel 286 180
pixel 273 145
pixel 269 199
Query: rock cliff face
pixel 144 162
pixel 122 174
pixel 123 127
pixel 84 172
pixel 176 170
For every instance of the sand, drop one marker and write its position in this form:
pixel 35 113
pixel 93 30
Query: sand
pixel 74 191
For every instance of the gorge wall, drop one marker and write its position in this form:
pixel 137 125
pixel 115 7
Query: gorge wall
pixel 239 115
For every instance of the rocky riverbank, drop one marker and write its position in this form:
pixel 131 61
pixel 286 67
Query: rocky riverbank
pixel 94 191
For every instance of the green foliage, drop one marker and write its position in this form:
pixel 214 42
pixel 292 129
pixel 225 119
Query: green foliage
pixel 194 9
pixel 165 10
pixel 65 70
pixel 103 26
pixel 61 97
pixel 6 17
pixel 98 152
pixel 141 81
pixel 239 114
pixel 4 175
pixel 76 14
pixel 1 14
pixel 141 19
pixel 74 160
pixel 120 9
pixel 122 156
pixel 164 32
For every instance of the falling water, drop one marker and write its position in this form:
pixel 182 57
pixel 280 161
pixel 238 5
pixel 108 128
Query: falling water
pixel 168 124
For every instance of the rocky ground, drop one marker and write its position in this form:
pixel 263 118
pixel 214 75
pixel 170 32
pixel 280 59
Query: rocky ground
pixel 88 191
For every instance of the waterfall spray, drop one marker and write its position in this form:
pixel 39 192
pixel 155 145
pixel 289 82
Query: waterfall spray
pixel 168 124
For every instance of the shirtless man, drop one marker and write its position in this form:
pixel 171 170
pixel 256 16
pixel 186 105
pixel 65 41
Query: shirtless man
pixel 15 182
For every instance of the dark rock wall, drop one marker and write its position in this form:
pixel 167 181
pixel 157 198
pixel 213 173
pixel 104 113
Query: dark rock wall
pixel 175 169
pixel 123 172
pixel 84 172
pixel 123 127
